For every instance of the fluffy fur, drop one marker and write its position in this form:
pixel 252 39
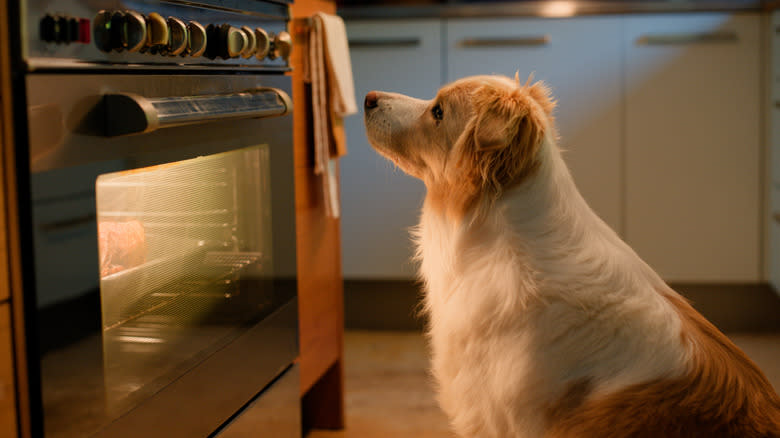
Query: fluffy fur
pixel 543 322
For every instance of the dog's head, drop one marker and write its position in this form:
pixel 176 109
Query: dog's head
pixel 478 137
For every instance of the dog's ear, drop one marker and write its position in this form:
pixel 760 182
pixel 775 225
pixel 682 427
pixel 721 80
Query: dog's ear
pixel 508 130
pixel 505 117
pixel 495 128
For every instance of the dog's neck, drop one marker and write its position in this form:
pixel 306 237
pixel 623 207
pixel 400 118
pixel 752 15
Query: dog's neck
pixel 545 219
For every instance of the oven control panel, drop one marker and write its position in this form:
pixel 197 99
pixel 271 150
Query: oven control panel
pixel 152 34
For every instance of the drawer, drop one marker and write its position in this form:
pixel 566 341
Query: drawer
pixel 7 391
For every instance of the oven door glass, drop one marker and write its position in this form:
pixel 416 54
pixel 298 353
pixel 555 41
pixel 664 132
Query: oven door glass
pixel 192 271
pixel 186 261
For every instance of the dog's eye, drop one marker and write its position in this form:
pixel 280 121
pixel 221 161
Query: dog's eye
pixel 437 112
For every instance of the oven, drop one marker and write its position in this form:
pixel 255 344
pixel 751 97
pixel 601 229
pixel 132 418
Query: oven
pixel 159 263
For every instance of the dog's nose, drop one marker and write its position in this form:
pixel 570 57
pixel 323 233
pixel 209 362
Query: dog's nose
pixel 371 100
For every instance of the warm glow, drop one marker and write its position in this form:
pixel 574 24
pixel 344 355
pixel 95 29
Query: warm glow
pixel 559 9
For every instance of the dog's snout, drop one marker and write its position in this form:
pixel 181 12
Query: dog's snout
pixel 372 100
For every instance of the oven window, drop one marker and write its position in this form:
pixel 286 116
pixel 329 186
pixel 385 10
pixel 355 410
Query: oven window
pixel 186 264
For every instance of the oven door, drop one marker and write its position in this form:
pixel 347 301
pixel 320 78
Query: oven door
pixel 163 249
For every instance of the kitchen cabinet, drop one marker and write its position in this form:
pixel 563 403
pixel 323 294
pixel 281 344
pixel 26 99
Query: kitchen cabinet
pixel 379 202
pixel 659 118
pixel 580 59
pixel 7 391
pixel 692 139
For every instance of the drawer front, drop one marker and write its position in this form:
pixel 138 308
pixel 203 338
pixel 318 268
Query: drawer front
pixel 685 218
pixel 7 386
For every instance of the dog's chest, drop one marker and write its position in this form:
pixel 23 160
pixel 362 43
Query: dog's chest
pixel 477 288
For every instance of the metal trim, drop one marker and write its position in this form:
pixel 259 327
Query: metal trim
pixel 676 39
pixel 522 41
pixel 384 43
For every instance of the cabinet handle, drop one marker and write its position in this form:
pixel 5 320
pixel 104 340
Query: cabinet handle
pixel 777 217
pixel 528 41
pixel 384 43
pixel 673 39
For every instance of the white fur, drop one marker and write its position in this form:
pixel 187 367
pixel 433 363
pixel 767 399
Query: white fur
pixel 537 296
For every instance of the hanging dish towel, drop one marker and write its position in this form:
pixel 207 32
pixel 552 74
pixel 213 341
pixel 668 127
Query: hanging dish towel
pixel 333 98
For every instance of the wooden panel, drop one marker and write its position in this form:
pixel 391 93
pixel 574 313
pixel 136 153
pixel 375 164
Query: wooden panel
pixel 7 387
pixel 10 259
pixel 5 290
pixel 320 289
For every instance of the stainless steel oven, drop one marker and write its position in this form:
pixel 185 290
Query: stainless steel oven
pixel 159 263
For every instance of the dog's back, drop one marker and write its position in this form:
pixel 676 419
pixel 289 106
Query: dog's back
pixel 724 394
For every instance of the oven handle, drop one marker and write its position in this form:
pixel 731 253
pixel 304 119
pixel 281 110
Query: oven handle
pixel 127 113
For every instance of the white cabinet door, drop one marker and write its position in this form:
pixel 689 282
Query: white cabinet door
pixel 379 202
pixel 693 124
pixel 580 59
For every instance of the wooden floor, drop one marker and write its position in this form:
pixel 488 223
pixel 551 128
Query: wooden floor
pixel 390 395
pixel 388 390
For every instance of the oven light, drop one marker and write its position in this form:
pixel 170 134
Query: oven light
pixel 140 340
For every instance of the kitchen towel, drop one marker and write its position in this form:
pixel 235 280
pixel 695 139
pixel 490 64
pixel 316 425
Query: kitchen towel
pixel 333 98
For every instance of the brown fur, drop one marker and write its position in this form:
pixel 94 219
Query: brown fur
pixel 690 406
pixel 498 146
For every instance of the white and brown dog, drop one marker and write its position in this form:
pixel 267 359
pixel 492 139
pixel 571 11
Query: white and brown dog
pixel 543 322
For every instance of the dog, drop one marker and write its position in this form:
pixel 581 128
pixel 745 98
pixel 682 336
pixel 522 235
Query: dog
pixel 542 322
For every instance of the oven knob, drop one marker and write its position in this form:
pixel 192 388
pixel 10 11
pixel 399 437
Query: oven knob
pixel 212 42
pixel 281 47
pixel 231 41
pixel 101 30
pixel 57 29
pixel 263 43
pixel 48 28
pixel 177 42
pixel 115 25
pixel 196 39
pixel 72 30
pixel 237 42
pixel 251 42
pixel 157 30
pixel 106 28
pixel 133 31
